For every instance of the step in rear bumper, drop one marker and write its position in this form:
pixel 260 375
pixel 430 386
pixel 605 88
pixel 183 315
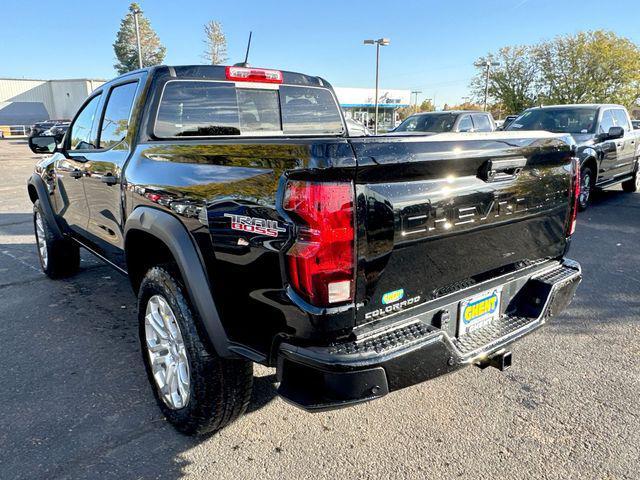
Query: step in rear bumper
pixel 328 377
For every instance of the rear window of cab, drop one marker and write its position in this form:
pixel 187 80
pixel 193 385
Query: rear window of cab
pixel 196 108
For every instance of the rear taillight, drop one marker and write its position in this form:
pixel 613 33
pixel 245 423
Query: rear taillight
pixel 260 75
pixel 575 196
pixel 321 261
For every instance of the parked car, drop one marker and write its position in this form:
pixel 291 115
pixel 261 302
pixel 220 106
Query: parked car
pixel 636 124
pixel 57 131
pixel 508 120
pixel 448 121
pixel 253 228
pixel 608 147
pixel 41 127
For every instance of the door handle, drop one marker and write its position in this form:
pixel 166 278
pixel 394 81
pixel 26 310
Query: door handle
pixel 76 173
pixel 109 179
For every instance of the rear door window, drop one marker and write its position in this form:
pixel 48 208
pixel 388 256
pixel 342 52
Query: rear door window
pixel 116 115
pixel 482 123
pixel 209 108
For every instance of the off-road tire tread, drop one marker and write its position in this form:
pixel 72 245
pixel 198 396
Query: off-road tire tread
pixel 63 254
pixel 631 185
pixel 220 388
pixel 583 207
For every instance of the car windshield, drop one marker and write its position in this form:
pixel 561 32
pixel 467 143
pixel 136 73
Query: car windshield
pixel 557 120
pixel 428 122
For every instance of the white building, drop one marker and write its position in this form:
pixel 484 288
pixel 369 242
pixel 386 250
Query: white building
pixel 359 104
pixel 24 102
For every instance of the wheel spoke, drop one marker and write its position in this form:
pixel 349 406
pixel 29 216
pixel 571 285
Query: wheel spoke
pixel 167 353
pixel 156 325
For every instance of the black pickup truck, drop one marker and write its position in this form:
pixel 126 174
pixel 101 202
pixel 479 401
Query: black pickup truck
pixel 254 229
pixel 608 146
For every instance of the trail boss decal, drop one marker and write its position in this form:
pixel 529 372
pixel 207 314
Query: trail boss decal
pixel 259 226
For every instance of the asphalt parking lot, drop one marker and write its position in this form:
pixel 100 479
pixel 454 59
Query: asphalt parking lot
pixel 76 403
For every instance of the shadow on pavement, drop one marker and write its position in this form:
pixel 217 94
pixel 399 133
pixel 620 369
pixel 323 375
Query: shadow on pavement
pixel 76 401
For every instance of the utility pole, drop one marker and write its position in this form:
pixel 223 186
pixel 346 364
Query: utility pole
pixel 416 92
pixel 378 43
pixel 486 64
pixel 135 19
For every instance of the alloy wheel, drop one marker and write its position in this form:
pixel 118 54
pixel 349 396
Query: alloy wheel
pixel 167 353
pixel 585 188
pixel 41 239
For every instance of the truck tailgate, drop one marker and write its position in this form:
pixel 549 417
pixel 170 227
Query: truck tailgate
pixel 441 213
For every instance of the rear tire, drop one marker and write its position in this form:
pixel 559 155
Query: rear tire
pixel 587 184
pixel 633 184
pixel 59 257
pixel 210 392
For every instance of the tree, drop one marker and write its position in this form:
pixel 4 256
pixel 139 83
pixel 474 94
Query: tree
pixel 464 106
pixel 216 43
pixel 126 47
pixel 427 106
pixel 512 83
pixel 588 67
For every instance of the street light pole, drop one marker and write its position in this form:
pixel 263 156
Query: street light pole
pixel 487 64
pixel 378 43
pixel 135 19
pixel 416 92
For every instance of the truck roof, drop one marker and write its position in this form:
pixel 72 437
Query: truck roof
pixel 217 72
pixel 451 111
pixel 579 105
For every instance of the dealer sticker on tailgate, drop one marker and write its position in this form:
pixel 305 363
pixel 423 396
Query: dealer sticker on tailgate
pixel 479 310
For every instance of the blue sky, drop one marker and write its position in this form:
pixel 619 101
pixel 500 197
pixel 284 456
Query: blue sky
pixel 433 44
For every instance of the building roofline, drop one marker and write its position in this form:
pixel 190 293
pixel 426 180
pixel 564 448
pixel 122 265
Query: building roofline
pixel 54 80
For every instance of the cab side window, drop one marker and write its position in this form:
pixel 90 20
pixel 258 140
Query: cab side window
pixel 607 122
pixel 116 116
pixel 82 135
pixel 465 124
pixel 621 119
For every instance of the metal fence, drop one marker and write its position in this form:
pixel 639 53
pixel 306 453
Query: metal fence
pixel 15 131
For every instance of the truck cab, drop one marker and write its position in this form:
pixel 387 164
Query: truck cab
pixel 608 146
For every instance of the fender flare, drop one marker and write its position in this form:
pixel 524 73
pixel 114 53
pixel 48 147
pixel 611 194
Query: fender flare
pixel 175 236
pixel 43 195
pixel 591 155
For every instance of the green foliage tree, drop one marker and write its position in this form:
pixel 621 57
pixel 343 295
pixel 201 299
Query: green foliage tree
pixel 588 67
pixel 126 48
pixel 427 106
pixel 215 43
pixel 513 82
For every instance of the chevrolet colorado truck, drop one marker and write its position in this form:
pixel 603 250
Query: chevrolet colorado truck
pixel 608 146
pixel 254 229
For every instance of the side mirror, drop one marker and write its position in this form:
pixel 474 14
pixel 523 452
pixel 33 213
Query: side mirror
pixel 42 144
pixel 615 132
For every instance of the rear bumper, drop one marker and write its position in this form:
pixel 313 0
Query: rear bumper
pixel 323 378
